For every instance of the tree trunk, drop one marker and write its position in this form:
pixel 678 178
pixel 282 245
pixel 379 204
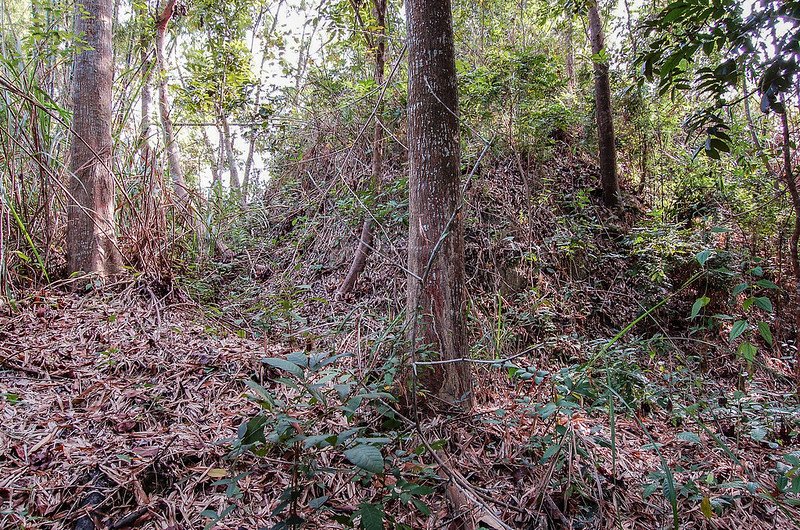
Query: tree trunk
pixel 146 92
pixel 791 183
pixel 248 165
pixel 171 143
pixel 91 237
pixel 605 120
pixel 569 48
pixel 436 298
pixel 236 184
pixel 365 241
pixel 216 181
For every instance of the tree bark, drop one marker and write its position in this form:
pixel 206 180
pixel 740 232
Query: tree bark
pixel 435 298
pixel 236 184
pixel 603 113
pixel 569 48
pixel 146 93
pixel 791 183
pixel 365 241
pixel 171 143
pixel 91 237
pixel 216 181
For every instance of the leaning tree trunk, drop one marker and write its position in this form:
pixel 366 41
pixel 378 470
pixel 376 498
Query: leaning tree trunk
pixel 605 120
pixel 91 238
pixel 436 297
pixel 171 143
pixel 365 241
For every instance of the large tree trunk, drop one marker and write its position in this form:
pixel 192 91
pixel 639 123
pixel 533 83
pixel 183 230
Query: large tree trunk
pixel 365 241
pixel 91 238
pixel 436 298
pixel 605 120
pixel 171 143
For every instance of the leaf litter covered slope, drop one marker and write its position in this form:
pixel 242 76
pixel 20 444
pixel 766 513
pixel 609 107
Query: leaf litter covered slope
pixel 117 394
pixel 112 386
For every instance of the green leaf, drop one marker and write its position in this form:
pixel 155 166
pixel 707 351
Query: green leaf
pixel 371 516
pixel 253 431
pixel 758 433
pixel 283 364
pixel 690 437
pixel 766 334
pixel 747 352
pixel 764 303
pixel 766 284
pixel 699 304
pixel 739 327
pixel 552 450
pixel 739 289
pixel 318 502
pixel 702 257
pixel 367 457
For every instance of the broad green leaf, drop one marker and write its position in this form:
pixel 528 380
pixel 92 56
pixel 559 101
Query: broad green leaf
pixel 366 457
pixel 702 257
pixel 371 516
pixel 766 284
pixel 549 452
pixel 766 334
pixel 739 327
pixel 699 304
pixel 764 303
pixel 747 352
pixel 253 431
pixel 318 502
pixel 758 433
pixel 283 364
pixel 739 289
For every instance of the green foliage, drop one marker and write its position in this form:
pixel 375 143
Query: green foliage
pixel 708 45
pixel 322 395
pixel 515 90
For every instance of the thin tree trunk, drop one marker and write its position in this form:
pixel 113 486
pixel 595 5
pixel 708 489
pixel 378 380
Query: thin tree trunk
pixel 171 143
pixel 603 112
pixel 569 48
pixel 216 181
pixel 248 165
pixel 91 237
pixel 791 183
pixel 236 184
pixel 435 295
pixel 147 101
pixel 365 241
pixel 146 92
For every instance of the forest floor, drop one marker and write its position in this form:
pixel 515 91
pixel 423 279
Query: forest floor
pixel 124 407
pixel 233 394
